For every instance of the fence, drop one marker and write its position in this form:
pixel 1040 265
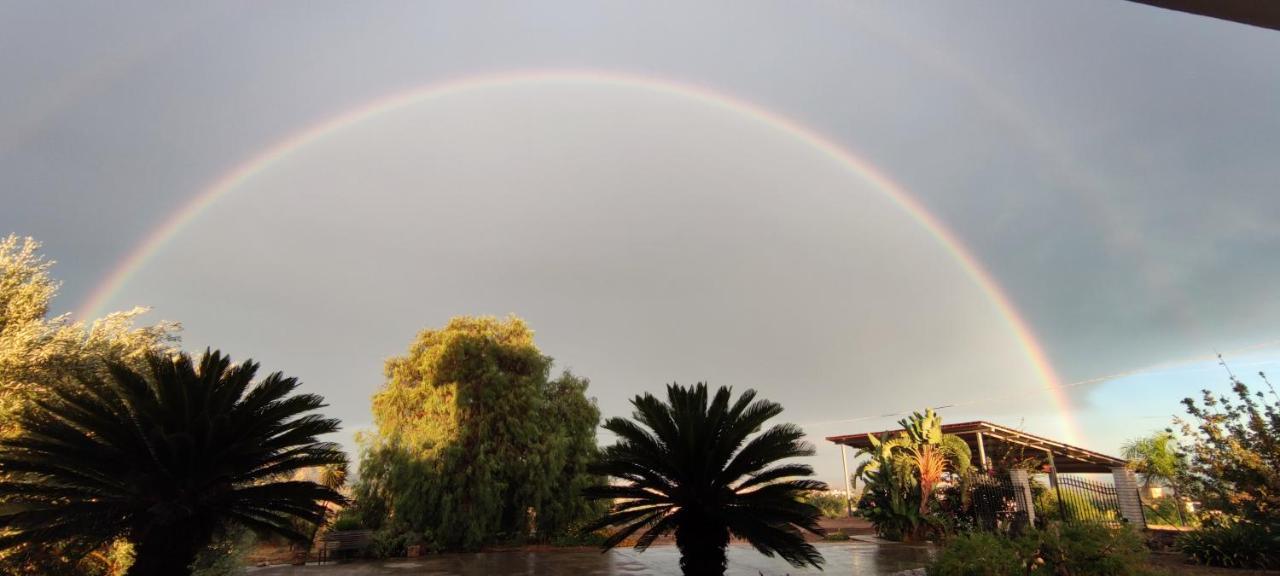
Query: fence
pixel 1079 500
pixel 986 503
pixel 1167 510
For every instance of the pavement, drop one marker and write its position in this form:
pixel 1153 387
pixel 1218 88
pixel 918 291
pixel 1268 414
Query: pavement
pixel 858 557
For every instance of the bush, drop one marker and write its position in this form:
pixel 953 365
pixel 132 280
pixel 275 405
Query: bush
pixel 345 522
pixel 981 554
pixel 1070 549
pixel 1093 550
pixel 831 504
pixel 1234 545
pixel 226 555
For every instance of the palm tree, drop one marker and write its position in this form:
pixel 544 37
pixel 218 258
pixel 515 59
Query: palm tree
pixel 165 458
pixel 691 466
pixel 1156 458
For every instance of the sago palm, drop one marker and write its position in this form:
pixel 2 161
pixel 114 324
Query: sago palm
pixel 166 459
pixel 691 466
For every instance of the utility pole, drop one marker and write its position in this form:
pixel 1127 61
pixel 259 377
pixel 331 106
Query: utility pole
pixel 848 489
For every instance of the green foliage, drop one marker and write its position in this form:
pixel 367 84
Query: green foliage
pixel 576 535
pixel 165 458
pixel 346 521
pixel 894 513
pixel 692 466
pixel 475 443
pixel 1076 506
pixel 831 504
pixel 1234 449
pixel 226 555
pixel 36 349
pixel 1233 545
pixel 983 554
pixel 1061 549
pixel 902 472
pixel 1156 458
pixel 1168 511
pixel 392 541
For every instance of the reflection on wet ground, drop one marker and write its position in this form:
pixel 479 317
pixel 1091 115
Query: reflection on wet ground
pixel 843 558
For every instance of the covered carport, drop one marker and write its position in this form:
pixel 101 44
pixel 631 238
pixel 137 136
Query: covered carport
pixel 987 441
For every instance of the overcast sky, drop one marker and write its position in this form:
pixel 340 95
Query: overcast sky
pixel 1112 165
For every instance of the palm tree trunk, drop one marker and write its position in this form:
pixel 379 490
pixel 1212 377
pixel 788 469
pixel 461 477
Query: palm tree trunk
pixel 702 549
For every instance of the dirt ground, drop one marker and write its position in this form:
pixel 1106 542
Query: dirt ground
pixel 1176 565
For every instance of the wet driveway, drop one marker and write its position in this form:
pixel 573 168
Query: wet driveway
pixel 843 558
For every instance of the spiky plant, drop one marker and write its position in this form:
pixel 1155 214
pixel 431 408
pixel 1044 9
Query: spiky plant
pixel 165 458
pixel 691 467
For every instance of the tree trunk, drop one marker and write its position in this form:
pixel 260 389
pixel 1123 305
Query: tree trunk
pixel 702 549
pixel 168 551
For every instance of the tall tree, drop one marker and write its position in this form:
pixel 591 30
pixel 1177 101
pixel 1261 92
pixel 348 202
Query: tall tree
pixel 167 458
pixel 1156 457
pixel 36 348
pixel 472 437
pixel 1234 453
pixel 692 466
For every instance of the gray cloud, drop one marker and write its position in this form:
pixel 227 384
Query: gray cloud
pixel 1111 164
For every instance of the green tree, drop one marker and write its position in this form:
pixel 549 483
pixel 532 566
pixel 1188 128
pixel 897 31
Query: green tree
pixel 691 466
pixel 474 442
pixel 36 349
pixel 167 458
pixel 1234 454
pixel 902 471
pixel 1156 457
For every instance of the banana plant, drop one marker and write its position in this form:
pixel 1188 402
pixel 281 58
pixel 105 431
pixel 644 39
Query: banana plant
pixel 902 470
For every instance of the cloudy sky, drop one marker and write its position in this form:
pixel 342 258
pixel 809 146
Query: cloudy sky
pixel 647 184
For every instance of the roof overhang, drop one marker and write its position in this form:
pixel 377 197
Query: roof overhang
pixel 998 439
pixel 1262 13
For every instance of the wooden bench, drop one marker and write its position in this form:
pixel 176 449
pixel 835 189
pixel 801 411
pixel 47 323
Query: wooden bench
pixel 343 541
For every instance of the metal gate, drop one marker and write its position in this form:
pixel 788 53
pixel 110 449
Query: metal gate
pixel 982 502
pixel 1073 499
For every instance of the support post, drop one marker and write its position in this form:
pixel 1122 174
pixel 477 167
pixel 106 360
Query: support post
pixel 1057 489
pixel 1022 494
pixel 848 490
pixel 982 454
pixel 1127 494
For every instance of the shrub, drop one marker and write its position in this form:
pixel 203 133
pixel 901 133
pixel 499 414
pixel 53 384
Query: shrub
pixel 346 522
pixel 831 504
pixel 981 554
pixel 1070 549
pixel 226 555
pixel 1233 545
pixel 1093 550
pixel 394 541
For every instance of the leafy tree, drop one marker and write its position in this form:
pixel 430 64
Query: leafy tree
pixel 691 466
pixel 36 349
pixel 1234 453
pixel 1234 471
pixel 474 442
pixel 167 458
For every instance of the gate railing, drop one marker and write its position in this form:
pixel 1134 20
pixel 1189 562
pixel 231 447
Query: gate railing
pixel 1074 499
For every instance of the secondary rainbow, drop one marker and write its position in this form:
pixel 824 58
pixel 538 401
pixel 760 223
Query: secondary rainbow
pixel 135 259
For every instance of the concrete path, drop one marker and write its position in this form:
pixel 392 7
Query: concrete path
pixel 854 558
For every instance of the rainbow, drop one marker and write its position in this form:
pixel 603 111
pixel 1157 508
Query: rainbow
pixel 135 259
